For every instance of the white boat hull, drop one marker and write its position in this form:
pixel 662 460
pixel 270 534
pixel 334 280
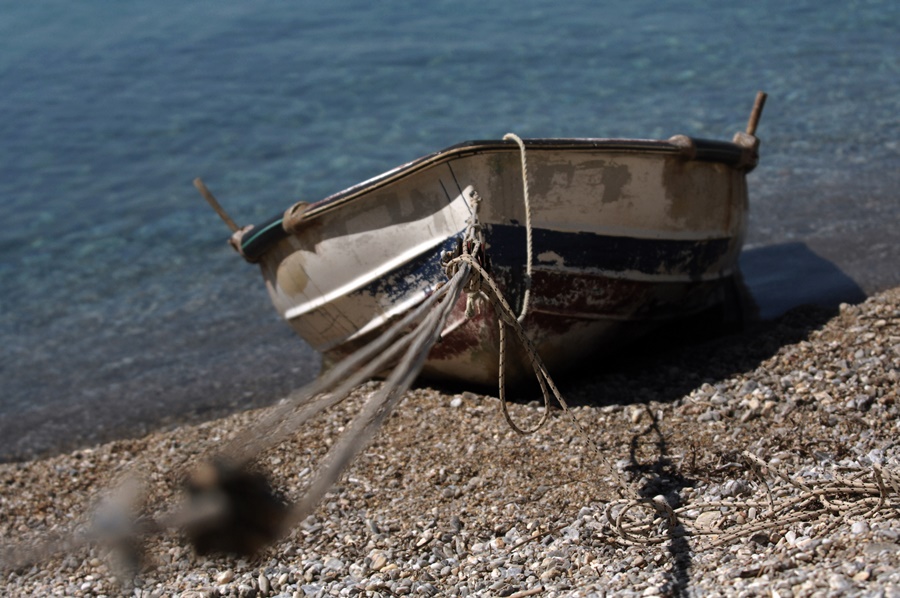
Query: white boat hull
pixel 626 234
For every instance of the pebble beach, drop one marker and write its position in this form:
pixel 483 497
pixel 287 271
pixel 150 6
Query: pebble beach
pixel 774 451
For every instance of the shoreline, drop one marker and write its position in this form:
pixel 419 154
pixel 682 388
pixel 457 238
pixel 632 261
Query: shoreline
pixel 59 403
pixel 447 498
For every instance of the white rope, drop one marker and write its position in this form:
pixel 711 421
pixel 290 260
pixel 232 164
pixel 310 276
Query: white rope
pixel 379 406
pixel 526 298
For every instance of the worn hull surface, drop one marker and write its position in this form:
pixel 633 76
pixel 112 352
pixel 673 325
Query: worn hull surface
pixel 626 234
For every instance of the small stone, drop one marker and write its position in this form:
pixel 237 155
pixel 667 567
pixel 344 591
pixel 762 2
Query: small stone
pixel 838 583
pixel 334 564
pixel 550 574
pixel 736 488
pixel 378 561
pixel 225 577
pixel 456 523
pixel 636 415
pixel 889 534
pixel 456 402
pixel 263 583
pixel 357 570
pixel 707 520
pixel 859 527
pixel 876 549
pixel 710 415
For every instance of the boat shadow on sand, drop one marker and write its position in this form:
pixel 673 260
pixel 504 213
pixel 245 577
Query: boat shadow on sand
pixel 785 293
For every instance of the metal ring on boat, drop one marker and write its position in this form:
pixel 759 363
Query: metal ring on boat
pixel 260 239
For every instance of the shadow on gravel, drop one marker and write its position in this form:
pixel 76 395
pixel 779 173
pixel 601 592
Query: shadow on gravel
pixel 681 356
pixel 786 293
pixel 663 478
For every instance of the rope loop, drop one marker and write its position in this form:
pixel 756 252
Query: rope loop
pixel 529 245
pixel 642 520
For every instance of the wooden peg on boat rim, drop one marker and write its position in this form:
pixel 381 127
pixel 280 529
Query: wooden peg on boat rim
pixel 756 113
pixel 212 201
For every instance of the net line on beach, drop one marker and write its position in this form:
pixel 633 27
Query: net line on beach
pixel 873 494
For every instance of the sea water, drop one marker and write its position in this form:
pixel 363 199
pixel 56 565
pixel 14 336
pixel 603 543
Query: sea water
pixel 123 308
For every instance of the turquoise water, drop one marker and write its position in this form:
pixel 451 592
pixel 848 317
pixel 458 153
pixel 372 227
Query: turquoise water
pixel 122 305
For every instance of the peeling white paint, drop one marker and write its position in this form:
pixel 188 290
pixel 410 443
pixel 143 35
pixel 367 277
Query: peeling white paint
pixel 551 257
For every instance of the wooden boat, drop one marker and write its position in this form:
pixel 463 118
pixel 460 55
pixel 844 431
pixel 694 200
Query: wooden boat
pixel 626 234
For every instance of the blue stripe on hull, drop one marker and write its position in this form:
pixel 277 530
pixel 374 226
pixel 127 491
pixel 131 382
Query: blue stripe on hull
pixel 689 258
pixel 423 271
pixel 597 255
pixel 580 303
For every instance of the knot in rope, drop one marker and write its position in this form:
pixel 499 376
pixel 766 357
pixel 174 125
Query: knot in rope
pixel 471 252
pixel 469 249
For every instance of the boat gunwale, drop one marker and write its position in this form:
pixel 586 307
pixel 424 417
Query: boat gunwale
pixel 262 238
pixel 705 150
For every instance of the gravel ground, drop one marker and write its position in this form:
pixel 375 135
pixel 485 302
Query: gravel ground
pixel 449 501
